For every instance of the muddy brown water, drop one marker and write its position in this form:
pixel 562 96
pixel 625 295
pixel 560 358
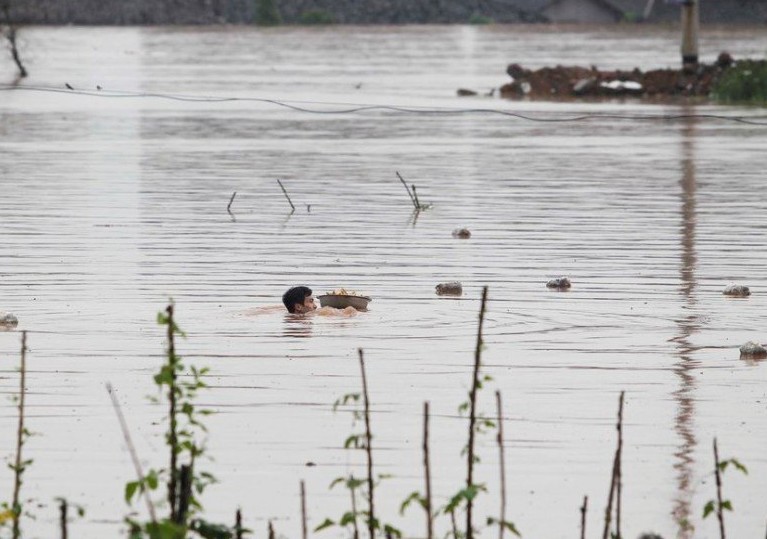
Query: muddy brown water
pixel 111 205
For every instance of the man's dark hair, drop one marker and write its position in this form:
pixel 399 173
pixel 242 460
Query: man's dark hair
pixel 297 294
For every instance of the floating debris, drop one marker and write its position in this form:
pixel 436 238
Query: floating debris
pixel 560 283
pixel 8 320
pixel 753 350
pixel 453 288
pixel 463 92
pixel 736 290
pixel 462 233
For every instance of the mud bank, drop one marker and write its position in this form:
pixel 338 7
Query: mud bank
pixel 591 82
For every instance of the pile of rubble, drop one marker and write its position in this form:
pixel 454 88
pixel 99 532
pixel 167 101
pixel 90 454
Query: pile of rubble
pixel 567 82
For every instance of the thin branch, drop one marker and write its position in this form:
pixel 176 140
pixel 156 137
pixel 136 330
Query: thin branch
pixel 407 188
pixel 719 513
pixel 11 37
pixel 238 524
pixel 229 206
pixel 304 532
pixel 473 415
pixel 271 531
pixel 18 468
pixel 286 195
pixel 619 474
pixel 415 196
pixel 63 518
pixel 429 518
pixel 502 461
pixel 614 479
pixel 354 507
pixel 368 449
pixel 584 508
pixel 131 450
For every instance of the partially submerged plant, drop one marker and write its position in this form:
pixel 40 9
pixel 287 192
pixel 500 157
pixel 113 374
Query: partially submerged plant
pixel 360 441
pixel 719 506
pixel 12 512
pixel 185 439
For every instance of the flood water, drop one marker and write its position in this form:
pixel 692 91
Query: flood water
pixel 112 204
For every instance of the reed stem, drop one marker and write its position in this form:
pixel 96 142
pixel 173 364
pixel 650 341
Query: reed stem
pixel 368 449
pixel 473 416
pixel 238 524
pixel 304 532
pixel 132 451
pixel 719 512
pixel 285 192
pixel 615 477
pixel 502 463
pixel 63 518
pixel 427 472
pixel 409 194
pixel 229 206
pixel 172 429
pixel 21 433
pixel 584 508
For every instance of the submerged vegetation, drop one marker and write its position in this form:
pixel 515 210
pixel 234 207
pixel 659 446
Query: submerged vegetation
pixel 745 83
pixel 181 483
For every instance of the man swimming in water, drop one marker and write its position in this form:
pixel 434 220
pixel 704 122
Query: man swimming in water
pixel 299 300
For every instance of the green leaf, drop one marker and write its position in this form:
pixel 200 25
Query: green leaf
pixel 463 408
pixel 414 496
pixel 726 505
pixel 739 466
pixel 326 524
pixel 391 531
pixel 348 518
pixel 130 490
pixel 708 508
pixel 209 530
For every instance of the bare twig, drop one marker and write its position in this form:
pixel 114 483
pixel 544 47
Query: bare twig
pixel 229 206
pixel 19 465
pixel 615 478
pixel 719 513
pixel 619 474
pixel 407 188
pixel 415 196
pixel 473 416
pixel 429 518
pixel 454 524
pixel 271 531
pixel 11 37
pixel 293 208
pixel 238 524
pixel 368 449
pixel 304 532
pixel 63 518
pixel 502 461
pixel 584 508
pixel 185 493
pixel 131 450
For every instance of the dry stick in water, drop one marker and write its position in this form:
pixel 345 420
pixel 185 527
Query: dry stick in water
pixel 719 514
pixel 584 507
pixel 63 518
pixel 429 519
pixel 303 511
pixel 368 449
pixel 415 196
pixel 407 188
pixel 619 474
pixel 20 432
pixel 614 480
pixel 12 34
pixel 131 450
pixel 501 523
pixel 229 206
pixel 286 195
pixel 473 415
pixel 271 531
pixel 172 436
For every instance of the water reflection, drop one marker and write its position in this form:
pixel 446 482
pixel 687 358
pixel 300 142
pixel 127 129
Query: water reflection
pixel 687 325
pixel 297 325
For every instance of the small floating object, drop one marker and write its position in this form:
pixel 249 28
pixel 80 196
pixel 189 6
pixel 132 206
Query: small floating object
pixel 465 92
pixel 560 283
pixel 753 350
pixel 8 320
pixel 342 298
pixel 462 233
pixel 453 288
pixel 736 290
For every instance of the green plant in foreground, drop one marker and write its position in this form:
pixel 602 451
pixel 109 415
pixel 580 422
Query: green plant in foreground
pixel 360 441
pixel 745 82
pixel 185 439
pixel 11 512
pixel 719 505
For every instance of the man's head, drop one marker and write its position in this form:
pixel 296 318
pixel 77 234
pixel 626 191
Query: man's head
pixel 299 300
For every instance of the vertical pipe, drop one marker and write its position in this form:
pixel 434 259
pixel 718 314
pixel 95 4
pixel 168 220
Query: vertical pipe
pixel 690 27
